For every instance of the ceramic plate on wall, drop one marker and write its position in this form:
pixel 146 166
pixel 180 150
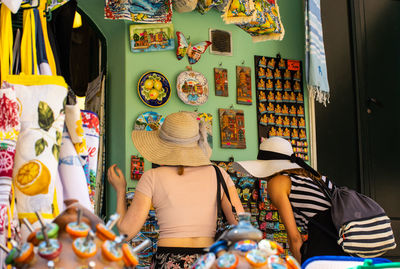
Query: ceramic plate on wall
pixel 154 89
pixel 192 88
pixel 149 121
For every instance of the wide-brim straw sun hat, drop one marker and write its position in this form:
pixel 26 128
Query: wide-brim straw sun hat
pixel 181 140
pixel 275 155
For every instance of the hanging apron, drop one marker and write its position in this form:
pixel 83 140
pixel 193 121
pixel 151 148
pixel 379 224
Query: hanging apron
pixel 42 101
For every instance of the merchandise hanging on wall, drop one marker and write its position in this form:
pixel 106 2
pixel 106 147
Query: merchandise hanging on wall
pixel 91 128
pixel 151 37
pixel 139 11
pixel 221 42
pixel 280 101
pixel 154 89
pixel 267 24
pixel 232 130
pixel 221 81
pixel 182 6
pixel 192 88
pixel 239 11
pixel 243 85
pixel 203 6
pixel 149 121
pixel 206 119
pixel 253 194
pixel 316 70
pixel 137 167
pixel 193 52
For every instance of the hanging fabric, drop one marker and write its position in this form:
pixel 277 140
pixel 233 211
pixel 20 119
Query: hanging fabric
pixel 9 131
pixel 72 173
pixel 239 11
pixel 42 100
pixel 13 5
pixel 91 128
pixel 76 133
pixel 316 70
pixel 267 24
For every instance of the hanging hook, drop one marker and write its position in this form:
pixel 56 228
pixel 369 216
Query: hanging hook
pixel 196 109
pixel 278 55
pixel 231 159
pixel 231 107
pixel 220 64
pixel 242 62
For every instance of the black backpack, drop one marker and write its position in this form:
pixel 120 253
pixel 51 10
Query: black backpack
pixel 363 226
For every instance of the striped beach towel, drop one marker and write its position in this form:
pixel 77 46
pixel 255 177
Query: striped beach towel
pixel 316 71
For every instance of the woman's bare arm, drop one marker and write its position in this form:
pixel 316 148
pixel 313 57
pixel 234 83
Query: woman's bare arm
pixel 279 190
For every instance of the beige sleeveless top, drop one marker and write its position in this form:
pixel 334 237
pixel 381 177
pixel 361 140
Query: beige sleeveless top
pixel 185 204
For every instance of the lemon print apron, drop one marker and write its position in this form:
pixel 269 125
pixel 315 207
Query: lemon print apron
pixel 42 101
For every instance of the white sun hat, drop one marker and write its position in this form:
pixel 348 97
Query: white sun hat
pixel 275 155
pixel 181 140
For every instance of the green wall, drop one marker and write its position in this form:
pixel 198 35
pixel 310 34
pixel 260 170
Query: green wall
pixel 125 68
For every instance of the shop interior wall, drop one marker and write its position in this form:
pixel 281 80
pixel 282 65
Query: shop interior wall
pixel 125 69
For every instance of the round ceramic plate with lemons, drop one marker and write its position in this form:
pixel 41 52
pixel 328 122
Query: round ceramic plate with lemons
pixel 154 89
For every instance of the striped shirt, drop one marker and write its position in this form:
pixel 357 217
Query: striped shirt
pixel 307 197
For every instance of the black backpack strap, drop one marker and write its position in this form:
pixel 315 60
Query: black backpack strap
pixel 221 181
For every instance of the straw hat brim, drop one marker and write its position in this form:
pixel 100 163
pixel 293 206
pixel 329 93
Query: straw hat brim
pixel 263 168
pixel 157 151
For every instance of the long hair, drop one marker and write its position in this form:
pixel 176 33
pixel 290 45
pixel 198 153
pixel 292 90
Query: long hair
pixel 297 171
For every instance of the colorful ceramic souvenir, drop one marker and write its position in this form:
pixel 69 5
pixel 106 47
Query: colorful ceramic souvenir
pixel 193 52
pixel 270 108
pixel 204 262
pixel 232 128
pixel 256 257
pixel 269 74
pixel 192 88
pixel 263 62
pixel 261 85
pixel 287 75
pixel 264 120
pixel 262 108
pixel 149 121
pixel 270 85
pixel 261 72
pixel 154 89
pixel 261 96
pixel 151 37
pixel 286 121
pixel 278 85
pixel 243 85
pixel 221 81
pixel 137 167
pixel 277 74
pixel 139 11
pixel 245 245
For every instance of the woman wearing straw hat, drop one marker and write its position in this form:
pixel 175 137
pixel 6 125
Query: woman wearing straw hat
pixel 183 190
pixel 294 189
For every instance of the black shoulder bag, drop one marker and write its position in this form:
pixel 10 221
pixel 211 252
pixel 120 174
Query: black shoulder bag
pixel 222 222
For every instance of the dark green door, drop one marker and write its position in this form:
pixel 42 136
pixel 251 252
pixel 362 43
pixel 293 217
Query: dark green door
pixel 377 51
